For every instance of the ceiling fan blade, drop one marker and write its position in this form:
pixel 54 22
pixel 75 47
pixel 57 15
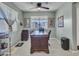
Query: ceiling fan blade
pixel 45 7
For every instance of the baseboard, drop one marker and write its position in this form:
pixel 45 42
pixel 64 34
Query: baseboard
pixel 74 51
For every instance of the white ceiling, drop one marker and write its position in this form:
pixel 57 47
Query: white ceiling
pixel 30 6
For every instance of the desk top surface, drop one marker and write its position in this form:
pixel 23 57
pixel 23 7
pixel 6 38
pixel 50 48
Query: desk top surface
pixel 39 33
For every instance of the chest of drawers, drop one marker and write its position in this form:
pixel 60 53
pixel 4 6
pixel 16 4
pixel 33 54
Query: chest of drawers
pixel 39 43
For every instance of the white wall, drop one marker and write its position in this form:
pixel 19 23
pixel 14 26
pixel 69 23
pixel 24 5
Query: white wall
pixel 66 31
pixel 74 26
pixel 77 23
pixel 38 13
pixel 16 36
pixel 42 13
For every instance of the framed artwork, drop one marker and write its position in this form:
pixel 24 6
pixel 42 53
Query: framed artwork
pixel 51 22
pixel 26 22
pixel 61 21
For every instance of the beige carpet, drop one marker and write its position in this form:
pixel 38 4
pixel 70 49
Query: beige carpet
pixel 54 50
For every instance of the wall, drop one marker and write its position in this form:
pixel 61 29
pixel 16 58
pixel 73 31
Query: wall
pixel 38 13
pixel 67 30
pixel 74 26
pixel 65 11
pixel 42 13
pixel 77 7
pixel 16 36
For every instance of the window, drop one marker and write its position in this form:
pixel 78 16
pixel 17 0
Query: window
pixel 39 21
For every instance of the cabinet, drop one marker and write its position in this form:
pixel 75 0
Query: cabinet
pixel 39 43
pixel 24 35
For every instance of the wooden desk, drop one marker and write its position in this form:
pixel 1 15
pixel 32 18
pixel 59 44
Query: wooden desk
pixel 39 43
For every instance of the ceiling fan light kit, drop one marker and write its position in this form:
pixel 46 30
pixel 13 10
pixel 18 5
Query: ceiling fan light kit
pixel 40 7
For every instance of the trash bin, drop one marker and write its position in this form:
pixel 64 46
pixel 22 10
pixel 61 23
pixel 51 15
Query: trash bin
pixel 65 43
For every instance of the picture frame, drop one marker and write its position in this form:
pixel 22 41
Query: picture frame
pixel 51 22
pixel 61 21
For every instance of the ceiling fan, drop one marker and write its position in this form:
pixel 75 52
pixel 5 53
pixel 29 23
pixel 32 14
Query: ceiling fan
pixel 39 5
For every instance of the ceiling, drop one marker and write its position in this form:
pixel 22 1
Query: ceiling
pixel 30 6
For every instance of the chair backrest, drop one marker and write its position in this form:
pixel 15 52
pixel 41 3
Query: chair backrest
pixel 49 34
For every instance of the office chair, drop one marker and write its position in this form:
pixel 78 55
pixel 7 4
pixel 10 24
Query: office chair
pixel 49 36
